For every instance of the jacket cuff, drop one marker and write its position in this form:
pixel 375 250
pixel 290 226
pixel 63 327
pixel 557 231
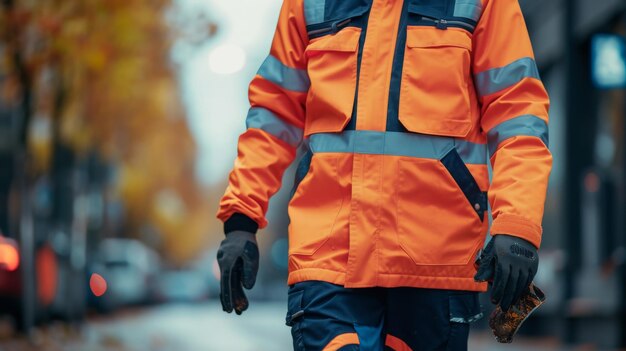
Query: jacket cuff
pixel 517 226
pixel 239 221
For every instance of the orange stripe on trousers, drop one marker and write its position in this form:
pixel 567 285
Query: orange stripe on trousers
pixel 396 344
pixel 342 340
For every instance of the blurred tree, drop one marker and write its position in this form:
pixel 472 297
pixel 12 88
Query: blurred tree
pixel 97 74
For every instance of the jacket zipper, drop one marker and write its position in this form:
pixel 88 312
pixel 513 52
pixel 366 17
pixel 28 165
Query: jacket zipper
pixel 443 23
pixel 332 29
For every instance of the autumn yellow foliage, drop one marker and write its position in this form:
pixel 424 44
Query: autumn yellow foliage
pixel 102 79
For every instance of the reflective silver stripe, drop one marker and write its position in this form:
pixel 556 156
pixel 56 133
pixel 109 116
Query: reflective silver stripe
pixel 264 119
pixel 471 9
pixel 527 125
pixel 289 78
pixel 397 144
pixel 470 319
pixel 314 11
pixel 497 79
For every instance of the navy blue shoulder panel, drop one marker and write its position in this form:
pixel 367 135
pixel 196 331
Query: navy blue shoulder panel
pixel 320 13
pixel 324 17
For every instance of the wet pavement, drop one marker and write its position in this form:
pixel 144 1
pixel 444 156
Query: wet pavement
pixel 197 327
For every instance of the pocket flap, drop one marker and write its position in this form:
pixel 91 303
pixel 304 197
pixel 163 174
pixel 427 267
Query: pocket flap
pixel 466 182
pixel 346 40
pixel 465 307
pixel 431 37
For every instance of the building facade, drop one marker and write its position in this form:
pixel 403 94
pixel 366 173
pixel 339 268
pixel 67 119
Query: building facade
pixel 584 226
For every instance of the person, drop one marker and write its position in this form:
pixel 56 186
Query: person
pixel 397 107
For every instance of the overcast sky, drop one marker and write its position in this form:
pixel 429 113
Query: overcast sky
pixel 217 103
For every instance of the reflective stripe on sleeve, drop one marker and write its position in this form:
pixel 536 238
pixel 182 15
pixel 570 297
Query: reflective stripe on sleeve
pixel 286 77
pixel 266 120
pixel 497 79
pixel 397 144
pixel 468 8
pixel 527 125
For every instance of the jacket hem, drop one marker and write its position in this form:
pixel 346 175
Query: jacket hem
pixel 388 280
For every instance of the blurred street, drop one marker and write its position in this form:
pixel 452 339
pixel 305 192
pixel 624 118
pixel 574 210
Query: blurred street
pixel 185 327
pixel 175 327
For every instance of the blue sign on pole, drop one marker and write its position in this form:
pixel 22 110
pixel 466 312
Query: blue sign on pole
pixel 608 60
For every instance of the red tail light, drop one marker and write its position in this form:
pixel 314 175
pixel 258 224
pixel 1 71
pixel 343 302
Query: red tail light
pixel 9 254
pixel 97 284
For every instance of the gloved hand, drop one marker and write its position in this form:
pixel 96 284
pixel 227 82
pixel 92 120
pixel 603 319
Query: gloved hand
pixel 511 264
pixel 238 258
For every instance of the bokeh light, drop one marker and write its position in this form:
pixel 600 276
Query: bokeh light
pixel 227 59
pixel 9 256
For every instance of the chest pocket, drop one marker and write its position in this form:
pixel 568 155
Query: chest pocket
pixel 332 67
pixel 434 93
pixel 334 28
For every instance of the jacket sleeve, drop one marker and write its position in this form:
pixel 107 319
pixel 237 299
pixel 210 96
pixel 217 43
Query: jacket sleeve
pixel 514 108
pixel 274 124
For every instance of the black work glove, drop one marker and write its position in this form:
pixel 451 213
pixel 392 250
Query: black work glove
pixel 511 264
pixel 238 258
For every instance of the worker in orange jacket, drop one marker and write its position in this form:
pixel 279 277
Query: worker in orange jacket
pixel 398 106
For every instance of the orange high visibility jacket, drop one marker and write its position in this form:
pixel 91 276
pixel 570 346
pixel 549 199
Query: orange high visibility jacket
pixel 400 105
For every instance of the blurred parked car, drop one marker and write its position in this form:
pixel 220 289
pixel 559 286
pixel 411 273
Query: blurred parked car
pixel 29 264
pixel 130 270
pixel 184 285
pixel 207 264
pixel 196 282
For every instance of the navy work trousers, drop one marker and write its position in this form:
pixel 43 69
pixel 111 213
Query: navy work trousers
pixel 325 317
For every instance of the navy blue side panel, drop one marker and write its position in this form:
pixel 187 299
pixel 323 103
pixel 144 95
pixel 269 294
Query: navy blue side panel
pixel 393 123
pixel 464 179
pixel 302 169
